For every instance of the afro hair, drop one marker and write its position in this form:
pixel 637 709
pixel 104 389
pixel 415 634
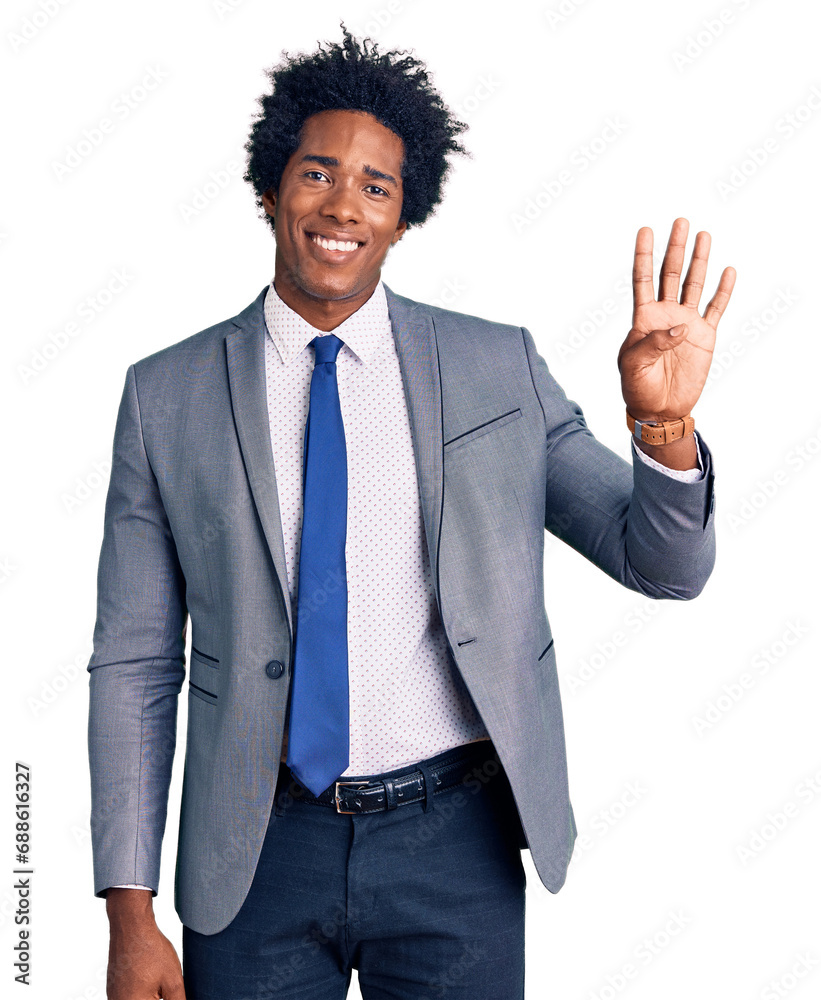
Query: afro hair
pixel 392 86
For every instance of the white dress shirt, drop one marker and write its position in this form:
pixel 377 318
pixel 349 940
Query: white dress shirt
pixel 407 699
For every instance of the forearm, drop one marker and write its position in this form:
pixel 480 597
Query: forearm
pixel 670 537
pixel 645 529
pixel 131 740
pixel 681 454
pixel 641 526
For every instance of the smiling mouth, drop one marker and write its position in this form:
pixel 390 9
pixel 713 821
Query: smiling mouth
pixel 335 246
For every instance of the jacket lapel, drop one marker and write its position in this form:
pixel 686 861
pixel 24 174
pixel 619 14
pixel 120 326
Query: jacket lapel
pixel 415 340
pixel 245 357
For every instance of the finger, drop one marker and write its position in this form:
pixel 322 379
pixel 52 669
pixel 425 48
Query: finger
pixel 673 263
pixel 696 272
pixel 643 268
pixel 718 303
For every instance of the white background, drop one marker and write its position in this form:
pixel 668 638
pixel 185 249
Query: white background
pixel 717 824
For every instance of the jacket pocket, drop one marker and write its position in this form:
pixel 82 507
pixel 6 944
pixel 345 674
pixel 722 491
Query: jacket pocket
pixel 481 429
pixel 546 650
pixel 211 660
pixel 203 676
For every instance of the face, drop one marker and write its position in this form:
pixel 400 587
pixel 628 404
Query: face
pixel 336 214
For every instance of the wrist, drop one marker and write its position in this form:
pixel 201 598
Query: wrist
pixel 680 455
pixel 129 907
pixel 660 433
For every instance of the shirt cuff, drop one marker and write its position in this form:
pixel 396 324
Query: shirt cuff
pixel 131 886
pixel 682 475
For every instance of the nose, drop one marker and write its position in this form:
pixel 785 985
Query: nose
pixel 341 203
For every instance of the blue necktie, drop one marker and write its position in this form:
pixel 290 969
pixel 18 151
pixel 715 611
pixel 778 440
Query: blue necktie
pixel 318 750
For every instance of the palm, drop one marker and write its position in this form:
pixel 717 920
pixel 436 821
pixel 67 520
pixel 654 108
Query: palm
pixel 662 375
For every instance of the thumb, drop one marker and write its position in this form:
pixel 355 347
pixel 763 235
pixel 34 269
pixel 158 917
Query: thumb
pixel 667 339
pixel 646 350
pixel 658 341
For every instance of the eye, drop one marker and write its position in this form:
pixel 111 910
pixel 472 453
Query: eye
pixel 315 175
pixel 375 188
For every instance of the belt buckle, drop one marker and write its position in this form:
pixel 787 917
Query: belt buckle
pixel 345 812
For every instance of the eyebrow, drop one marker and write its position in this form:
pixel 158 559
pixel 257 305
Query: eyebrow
pixel 331 161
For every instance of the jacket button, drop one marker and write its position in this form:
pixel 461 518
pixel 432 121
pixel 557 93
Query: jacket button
pixel 274 669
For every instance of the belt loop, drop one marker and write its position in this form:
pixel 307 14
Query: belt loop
pixel 429 785
pixel 390 793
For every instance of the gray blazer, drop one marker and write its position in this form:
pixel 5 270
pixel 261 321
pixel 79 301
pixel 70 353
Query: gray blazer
pixel 192 527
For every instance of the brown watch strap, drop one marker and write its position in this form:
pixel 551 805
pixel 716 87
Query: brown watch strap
pixel 665 432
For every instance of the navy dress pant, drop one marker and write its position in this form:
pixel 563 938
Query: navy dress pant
pixel 423 903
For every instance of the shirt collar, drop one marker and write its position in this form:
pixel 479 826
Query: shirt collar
pixel 364 331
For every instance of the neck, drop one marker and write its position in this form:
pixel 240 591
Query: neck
pixel 323 314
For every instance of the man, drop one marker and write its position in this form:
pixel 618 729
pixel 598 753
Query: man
pixel 374 723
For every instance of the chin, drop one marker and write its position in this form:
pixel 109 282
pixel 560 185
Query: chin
pixel 342 288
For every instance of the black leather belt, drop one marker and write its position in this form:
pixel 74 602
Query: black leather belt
pixel 376 794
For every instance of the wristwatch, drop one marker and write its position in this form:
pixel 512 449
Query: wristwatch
pixel 661 433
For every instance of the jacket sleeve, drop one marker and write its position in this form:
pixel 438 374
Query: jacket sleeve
pixel 650 532
pixel 137 665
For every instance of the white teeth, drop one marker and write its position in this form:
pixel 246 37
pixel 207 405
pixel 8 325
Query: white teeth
pixel 335 244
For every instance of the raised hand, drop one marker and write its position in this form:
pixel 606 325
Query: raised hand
pixel 666 356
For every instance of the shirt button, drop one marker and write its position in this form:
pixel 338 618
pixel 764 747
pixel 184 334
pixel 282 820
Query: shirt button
pixel 274 669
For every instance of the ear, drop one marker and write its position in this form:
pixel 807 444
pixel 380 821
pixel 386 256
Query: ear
pixel 269 201
pixel 400 232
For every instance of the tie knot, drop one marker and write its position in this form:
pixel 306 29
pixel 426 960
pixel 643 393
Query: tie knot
pixel 326 348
